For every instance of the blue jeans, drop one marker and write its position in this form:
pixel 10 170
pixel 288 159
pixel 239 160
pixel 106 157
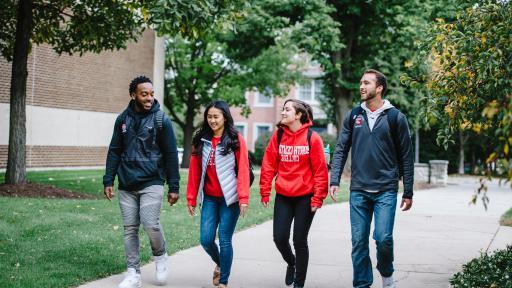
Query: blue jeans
pixel 363 205
pixel 215 214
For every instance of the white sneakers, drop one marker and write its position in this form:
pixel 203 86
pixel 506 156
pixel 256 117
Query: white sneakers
pixel 388 282
pixel 161 269
pixel 131 279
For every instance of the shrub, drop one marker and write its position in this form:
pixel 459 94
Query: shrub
pixel 492 271
pixel 259 147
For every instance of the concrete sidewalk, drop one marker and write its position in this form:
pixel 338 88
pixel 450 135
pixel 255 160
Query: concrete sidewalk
pixel 432 241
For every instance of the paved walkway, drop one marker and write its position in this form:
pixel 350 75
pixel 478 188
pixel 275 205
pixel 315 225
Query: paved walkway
pixel 432 241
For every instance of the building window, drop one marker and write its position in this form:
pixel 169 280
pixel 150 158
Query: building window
pixel 242 128
pixel 259 129
pixel 262 100
pixel 310 91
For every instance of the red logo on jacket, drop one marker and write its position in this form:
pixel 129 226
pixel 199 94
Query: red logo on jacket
pixel 359 121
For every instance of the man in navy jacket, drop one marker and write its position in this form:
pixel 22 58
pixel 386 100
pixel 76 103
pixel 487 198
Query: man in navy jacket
pixel 381 151
pixel 143 154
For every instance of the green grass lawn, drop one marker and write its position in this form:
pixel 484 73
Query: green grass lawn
pixel 506 219
pixel 63 243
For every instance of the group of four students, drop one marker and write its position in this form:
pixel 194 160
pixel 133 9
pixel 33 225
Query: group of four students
pixel 143 155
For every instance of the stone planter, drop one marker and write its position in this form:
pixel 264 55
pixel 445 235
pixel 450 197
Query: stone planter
pixel 421 173
pixel 438 171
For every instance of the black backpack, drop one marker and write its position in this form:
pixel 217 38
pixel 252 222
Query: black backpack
pixel 251 172
pixel 392 114
pixel 158 120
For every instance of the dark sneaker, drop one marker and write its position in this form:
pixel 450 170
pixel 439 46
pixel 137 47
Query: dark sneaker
pixel 290 275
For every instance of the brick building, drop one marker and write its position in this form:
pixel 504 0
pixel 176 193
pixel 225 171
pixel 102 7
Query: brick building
pixel 72 101
pixel 266 111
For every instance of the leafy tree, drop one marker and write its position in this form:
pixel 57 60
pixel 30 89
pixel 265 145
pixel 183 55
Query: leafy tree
pixel 470 82
pixel 346 37
pixel 255 53
pixel 79 27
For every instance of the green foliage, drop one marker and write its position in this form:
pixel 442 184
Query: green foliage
pixel 491 271
pixel 74 26
pixel 93 26
pixel 192 19
pixel 259 147
pixel 330 140
pixel 506 219
pixel 470 82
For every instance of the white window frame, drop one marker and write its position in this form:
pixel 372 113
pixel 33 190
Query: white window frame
pixel 255 129
pixel 244 124
pixel 313 90
pixel 257 103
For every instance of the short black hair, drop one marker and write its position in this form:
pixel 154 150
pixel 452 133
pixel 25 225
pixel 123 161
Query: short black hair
pixel 138 80
pixel 381 79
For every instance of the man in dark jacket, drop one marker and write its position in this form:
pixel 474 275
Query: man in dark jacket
pixel 381 149
pixel 143 155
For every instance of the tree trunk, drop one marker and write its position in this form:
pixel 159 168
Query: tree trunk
pixel 461 152
pixel 16 161
pixel 188 131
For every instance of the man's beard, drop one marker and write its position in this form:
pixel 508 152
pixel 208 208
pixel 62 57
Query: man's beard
pixel 370 96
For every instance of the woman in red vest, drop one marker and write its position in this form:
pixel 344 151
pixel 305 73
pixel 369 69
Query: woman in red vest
pixel 219 171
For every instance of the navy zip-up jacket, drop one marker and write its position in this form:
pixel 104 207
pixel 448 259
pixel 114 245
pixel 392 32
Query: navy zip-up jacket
pixel 374 156
pixel 141 154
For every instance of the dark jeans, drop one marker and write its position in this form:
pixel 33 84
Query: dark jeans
pixel 298 210
pixel 363 205
pixel 215 214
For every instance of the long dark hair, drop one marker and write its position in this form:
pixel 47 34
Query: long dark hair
pixel 302 107
pixel 229 140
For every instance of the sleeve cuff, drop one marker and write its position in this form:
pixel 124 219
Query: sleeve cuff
pixel 407 195
pixel 265 198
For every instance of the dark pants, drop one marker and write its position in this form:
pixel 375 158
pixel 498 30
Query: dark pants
pixel 298 210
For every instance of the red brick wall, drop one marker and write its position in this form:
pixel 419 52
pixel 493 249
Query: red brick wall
pixel 93 82
pixel 60 156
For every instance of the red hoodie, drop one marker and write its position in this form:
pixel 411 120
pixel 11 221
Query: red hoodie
pixel 243 182
pixel 299 170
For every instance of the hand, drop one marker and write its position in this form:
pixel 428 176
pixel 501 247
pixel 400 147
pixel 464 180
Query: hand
pixel 191 210
pixel 172 198
pixel 243 209
pixel 313 209
pixel 333 192
pixel 109 192
pixel 265 204
pixel 406 204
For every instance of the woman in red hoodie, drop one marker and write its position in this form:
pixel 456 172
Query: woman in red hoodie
pixel 219 171
pixel 295 154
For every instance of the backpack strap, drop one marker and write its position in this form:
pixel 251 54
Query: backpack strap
pixel 310 132
pixel 392 115
pixel 159 119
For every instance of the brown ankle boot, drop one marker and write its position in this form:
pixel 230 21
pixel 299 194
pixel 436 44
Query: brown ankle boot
pixel 223 286
pixel 216 276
